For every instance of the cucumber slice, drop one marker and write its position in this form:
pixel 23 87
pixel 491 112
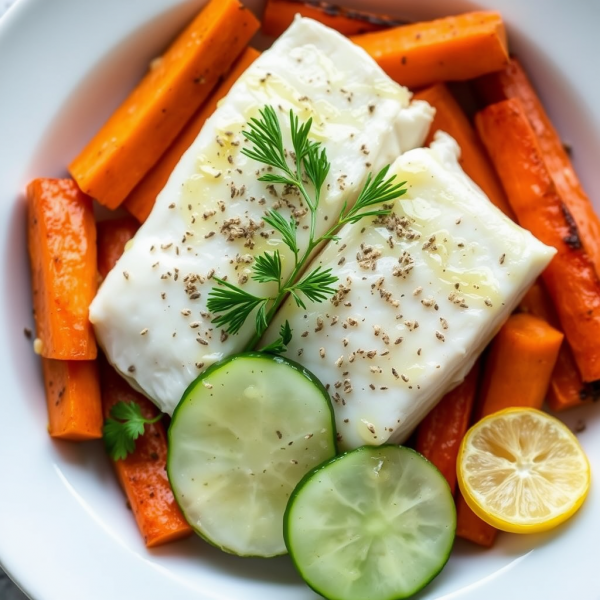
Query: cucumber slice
pixel 376 523
pixel 244 434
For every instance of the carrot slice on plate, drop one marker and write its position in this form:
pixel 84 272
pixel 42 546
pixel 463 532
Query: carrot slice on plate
pixel 512 82
pixel 73 398
pixel 570 278
pixel 143 474
pixel 62 250
pixel 141 129
pixel 449 49
pixel 449 117
pixel 141 199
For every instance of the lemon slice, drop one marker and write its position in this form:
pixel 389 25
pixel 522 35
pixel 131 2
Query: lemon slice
pixel 522 471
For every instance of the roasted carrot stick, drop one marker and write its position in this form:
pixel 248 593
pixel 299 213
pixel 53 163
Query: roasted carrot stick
pixel 449 117
pixel 440 433
pixel 62 250
pixel 112 237
pixel 512 82
pixel 279 14
pixel 141 199
pixel 142 128
pixel 570 278
pixel 518 368
pixel 449 49
pixel 142 474
pixel 73 398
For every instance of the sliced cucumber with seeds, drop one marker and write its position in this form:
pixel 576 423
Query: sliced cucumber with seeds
pixel 244 434
pixel 376 523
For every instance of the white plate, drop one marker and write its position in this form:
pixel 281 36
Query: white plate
pixel 65 533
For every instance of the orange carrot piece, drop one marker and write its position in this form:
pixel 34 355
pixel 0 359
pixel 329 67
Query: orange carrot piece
pixel 142 475
pixel 141 199
pixel 449 117
pixel 141 129
pixel 470 527
pixel 279 14
pixel 449 49
pixel 440 433
pixel 73 398
pixel 570 278
pixel 112 237
pixel 512 82
pixel 62 251
pixel 520 363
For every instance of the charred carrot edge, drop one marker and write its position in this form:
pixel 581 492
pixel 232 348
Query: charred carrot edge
pixel 141 199
pixel 440 433
pixel 73 399
pixel 521 360
pixel 279 14
pixel 143 475
pixel 449 49
pixel 449 117
pixel 512 82
pixel 141 129
pixel 113 235
pixel 62 251
pixel 570 278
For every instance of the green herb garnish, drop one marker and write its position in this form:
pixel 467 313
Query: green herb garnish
pixel 309 166
pixel 125 424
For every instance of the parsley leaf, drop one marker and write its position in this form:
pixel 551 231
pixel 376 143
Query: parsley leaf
pixel 125 424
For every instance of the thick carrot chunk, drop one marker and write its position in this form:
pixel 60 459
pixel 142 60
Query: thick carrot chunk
pixel 520 363
pixel 449 49
pixel 62 250
pixel 141 129
pixel 73 397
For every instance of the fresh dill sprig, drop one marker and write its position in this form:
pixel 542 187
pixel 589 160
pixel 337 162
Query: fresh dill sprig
pixel 305 168
pixel 316 286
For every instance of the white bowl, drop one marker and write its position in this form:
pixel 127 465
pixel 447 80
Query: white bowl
pixel 65 533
